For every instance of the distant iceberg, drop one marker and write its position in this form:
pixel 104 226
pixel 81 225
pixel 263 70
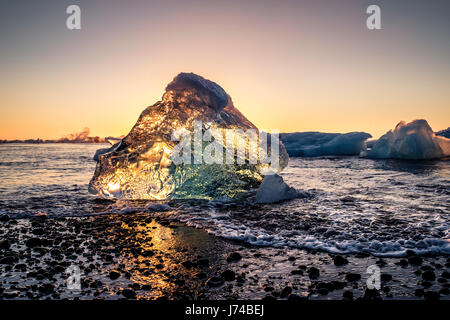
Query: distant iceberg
pixel 314 144
pixel 444 133
pixel 415 140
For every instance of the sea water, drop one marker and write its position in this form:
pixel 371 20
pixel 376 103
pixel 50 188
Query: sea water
pixel 380 207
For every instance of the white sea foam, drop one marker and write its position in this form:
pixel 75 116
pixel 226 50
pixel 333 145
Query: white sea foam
pixel 222 225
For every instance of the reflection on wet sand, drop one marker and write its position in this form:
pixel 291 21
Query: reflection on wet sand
pixel 163 259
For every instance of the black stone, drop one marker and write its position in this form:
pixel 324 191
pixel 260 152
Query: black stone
pixel 203 262
pixel 403 262
pixel 228 275
pixel 10 294
pixel 428 276
pixel 313 273
pixel 347 295
pixel 337 285
pixel 187 264
pixel 386 277
pixel 442 280
pixel 240 279
pixel 353 277
pixel 38 231
pixel 128 293
pixel 285 292
pixel 419 292
pixel 46 288
pixel 415 260
pixel 214 282
pixel 371 294
pixel 339 261
pixel 11 259
pixel 147 253
pixel 179 282
pixel 5 245
pixel 114 274
pixel 323 291
pixel 200 275
pixel 233 257
pixel 33 242
pixel 410 253
pixel 297 272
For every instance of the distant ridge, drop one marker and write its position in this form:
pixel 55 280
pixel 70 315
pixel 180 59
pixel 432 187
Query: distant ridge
pixel 79 137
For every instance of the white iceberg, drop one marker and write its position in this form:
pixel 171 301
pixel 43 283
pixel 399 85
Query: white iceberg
pixel 444 133
pixel 314 144
pixel 415 140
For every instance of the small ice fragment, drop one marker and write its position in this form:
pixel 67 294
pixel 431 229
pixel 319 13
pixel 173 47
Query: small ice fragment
pixel 274 189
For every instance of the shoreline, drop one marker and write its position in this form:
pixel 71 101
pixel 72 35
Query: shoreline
pixel 134 256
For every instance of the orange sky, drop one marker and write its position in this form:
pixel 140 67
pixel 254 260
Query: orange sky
pixel 288 66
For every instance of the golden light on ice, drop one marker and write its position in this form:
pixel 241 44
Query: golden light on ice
pixel 113 186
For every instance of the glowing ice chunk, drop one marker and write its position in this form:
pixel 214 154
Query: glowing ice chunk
pixel 142 161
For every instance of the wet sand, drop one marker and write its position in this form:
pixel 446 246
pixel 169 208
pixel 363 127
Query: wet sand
pixel 134 256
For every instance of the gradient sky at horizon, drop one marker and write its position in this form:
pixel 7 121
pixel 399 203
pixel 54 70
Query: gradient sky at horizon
pixel 288 65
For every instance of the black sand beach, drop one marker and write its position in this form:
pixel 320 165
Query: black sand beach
pixel 133 256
